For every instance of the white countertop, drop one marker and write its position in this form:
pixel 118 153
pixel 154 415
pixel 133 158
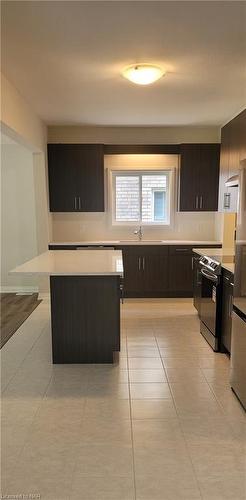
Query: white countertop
pixel 136 242
pixel 225 256
pixel 74 263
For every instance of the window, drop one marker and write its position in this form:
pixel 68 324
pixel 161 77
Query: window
pixel 141 197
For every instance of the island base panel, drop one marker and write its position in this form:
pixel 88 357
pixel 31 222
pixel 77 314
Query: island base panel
pixel 85 317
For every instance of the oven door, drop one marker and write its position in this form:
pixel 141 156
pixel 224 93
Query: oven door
pixel 208 305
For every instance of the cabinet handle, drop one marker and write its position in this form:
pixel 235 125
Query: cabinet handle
pixel 79 203
pixel 196 201
pixel 181 249
pixel 143 263
pixel 75 202
pixel 201 202
pixel 139 263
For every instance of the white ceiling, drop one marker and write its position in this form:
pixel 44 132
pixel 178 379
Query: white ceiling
pixel 66 57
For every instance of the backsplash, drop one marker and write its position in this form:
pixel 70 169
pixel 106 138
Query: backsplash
pixel 97 226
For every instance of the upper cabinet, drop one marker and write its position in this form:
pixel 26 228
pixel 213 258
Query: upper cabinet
pixel 76 177
pixel 233 150
pixel 199 177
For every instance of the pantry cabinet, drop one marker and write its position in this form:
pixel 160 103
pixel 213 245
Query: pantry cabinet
pixel 233 151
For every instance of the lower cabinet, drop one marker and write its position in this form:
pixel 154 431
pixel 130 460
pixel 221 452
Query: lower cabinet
pixel 145 271
pixel 227 301
pixel 180 271
pixel 155 270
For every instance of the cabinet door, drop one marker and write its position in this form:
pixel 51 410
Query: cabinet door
pixel 226 319
pixel 155 271
pixel 190 157
pixel 133 276
pixel 90 185
pixel 199 177
pixel 62 169
pixel 180 272
pixel 208 172
pixel 76 177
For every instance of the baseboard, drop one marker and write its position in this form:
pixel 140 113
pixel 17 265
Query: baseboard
pixel 44 295
pixel 19 289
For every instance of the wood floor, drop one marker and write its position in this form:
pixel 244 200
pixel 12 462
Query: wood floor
pixel 15 309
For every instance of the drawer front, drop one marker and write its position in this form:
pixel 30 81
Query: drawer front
pixel 180 250
pixel 144 249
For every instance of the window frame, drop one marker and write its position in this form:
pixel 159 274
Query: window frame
pixel 139 173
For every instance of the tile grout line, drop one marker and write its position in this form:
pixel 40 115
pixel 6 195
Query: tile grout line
pixel 80 427
pixel 179 423
pixel 130 408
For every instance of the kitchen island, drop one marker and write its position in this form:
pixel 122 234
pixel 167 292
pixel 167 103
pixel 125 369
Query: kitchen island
pixel 85 302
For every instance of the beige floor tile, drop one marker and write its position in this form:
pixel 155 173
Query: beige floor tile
pixel 181 361
pixel 221 487
pixel 102 488
pixel 217 429
pixel 102 431
pixel 152 409
pixel 141 341
pixel 201 408
pixel 145 364
pixel 153 390
pixel 191 391
pixel 155 461
pixel 107 375
pixel 143 352
pixel 147 376
pixel 107 408
pixel 174 352
pixel 47 473
pixel 108 390
pixel 158 434
pixel 184 374
pixel 167 486
pixel 105 459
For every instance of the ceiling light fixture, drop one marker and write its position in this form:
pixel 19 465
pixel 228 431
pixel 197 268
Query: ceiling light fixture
pixel 143 74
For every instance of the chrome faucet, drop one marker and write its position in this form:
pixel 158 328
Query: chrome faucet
pixel 139 232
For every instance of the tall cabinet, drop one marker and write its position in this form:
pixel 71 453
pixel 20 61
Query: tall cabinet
pixel 232 152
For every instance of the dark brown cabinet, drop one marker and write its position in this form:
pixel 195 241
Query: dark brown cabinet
pixel 145 270
pixel 199 177
pixel 233 150
pixel 180 271
pixel 154 270
pixel 226 320
pixel 76 177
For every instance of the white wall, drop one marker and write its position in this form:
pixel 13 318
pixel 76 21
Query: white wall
pixel 20 122
pixel 98 226
pixel 19 229
pixel 133 135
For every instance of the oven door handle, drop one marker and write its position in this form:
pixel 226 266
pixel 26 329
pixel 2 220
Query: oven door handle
pixel 209 276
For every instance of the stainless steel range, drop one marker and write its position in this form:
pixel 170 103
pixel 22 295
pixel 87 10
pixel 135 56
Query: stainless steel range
pixel 210 302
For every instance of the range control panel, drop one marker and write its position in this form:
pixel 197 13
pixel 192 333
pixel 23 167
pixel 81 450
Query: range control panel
pixel 211 264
